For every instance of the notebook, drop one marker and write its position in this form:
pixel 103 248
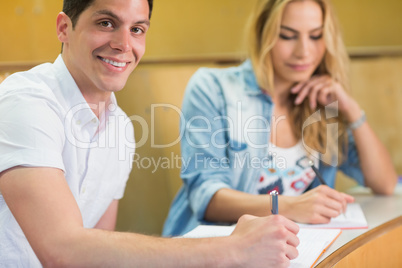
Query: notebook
pixel 313 242
pixel 353 218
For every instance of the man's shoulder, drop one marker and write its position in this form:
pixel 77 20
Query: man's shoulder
pixel 37 80
pixel 30 94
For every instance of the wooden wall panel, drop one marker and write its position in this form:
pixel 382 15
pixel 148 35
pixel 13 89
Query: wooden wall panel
pixel 190 29
pixel 28 32
pixel 377 85
pixel 370 23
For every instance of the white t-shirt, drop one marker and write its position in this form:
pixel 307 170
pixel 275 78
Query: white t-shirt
pixel 46 122
pixel 288 171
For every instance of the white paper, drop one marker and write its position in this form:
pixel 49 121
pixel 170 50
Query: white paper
pixel 312 241
pixel 312 244
pixel 353 218
pixel 210 231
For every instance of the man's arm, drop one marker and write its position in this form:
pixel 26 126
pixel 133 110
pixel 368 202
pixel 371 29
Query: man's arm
pixel 108 220
pixel 44 207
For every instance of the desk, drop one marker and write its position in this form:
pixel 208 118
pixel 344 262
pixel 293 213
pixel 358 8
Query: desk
pixel 379 212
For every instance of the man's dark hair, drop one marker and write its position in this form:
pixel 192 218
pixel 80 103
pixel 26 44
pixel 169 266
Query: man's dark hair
pixel 74 8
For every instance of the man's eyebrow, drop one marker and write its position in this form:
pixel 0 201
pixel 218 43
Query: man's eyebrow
pixel 144 22
pixel 113 15
pixel 108 13
pixel 295 31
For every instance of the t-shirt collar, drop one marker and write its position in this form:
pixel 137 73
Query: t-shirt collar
pixel 81 110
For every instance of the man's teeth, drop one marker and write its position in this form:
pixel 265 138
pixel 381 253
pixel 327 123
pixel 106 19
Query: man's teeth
pixel 115 63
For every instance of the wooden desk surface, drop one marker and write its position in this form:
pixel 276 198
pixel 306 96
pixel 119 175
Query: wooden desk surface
pixel 377 209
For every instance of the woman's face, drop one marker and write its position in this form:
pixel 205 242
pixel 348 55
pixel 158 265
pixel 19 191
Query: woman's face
pixel 300 46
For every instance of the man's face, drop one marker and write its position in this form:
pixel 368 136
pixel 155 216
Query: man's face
pixel 106 44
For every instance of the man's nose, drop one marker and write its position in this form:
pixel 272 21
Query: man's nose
pixel 121 40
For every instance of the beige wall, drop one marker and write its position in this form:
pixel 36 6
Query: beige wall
pixel 199 33
pixel 370 22
pixel 187 29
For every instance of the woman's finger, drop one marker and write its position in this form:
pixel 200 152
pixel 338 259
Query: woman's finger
pixel 304 91
pixel 315 92
pixel 307 87
pixel 297 87
pixel 325 96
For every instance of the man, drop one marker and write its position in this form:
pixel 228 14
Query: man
pixel 65 158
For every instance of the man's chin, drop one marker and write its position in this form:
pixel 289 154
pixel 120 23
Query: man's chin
pixel 114 86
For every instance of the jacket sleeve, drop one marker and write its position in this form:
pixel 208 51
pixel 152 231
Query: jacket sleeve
pixel 351 165
pixel 205 164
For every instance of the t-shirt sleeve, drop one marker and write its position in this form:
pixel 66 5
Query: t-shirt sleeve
pixel 31 131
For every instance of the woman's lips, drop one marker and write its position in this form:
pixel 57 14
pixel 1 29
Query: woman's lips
pixel 299 67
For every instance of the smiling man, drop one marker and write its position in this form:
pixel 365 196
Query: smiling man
pixel 65 158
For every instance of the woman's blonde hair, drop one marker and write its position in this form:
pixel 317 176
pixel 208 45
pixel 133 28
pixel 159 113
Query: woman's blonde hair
pixel 264 31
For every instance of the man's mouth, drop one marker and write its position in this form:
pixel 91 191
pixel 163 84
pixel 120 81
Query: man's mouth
pixel 114 63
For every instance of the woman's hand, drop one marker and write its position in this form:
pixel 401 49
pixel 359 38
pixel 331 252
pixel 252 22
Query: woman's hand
pixel 324 90
pixel 318 205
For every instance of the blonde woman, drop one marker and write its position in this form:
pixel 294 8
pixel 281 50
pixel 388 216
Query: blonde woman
pixel 257 127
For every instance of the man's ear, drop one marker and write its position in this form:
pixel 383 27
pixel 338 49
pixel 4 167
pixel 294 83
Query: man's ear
pixel 63 23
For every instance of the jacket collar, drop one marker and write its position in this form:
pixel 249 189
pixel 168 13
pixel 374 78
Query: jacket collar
pixel 252 88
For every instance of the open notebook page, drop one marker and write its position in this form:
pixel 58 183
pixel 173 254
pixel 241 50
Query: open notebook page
pixel 313 242
pixel 353 218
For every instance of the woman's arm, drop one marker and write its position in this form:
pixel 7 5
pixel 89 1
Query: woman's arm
pixel 203 146
pixel 375 161
pixel 318 205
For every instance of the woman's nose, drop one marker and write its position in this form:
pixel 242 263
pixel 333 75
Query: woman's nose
pixel 303 47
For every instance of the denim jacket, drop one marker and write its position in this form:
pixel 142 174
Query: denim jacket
pixel 226 129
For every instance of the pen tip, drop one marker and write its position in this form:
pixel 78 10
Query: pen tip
pixel 311 163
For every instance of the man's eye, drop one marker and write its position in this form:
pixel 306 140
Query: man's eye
pixel 105 24
pixel 137 30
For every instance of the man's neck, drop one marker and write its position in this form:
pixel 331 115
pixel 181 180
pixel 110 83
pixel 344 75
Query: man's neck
pixel 97 99
pixel 98 102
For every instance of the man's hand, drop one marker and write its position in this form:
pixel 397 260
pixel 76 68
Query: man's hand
pixel 266 241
